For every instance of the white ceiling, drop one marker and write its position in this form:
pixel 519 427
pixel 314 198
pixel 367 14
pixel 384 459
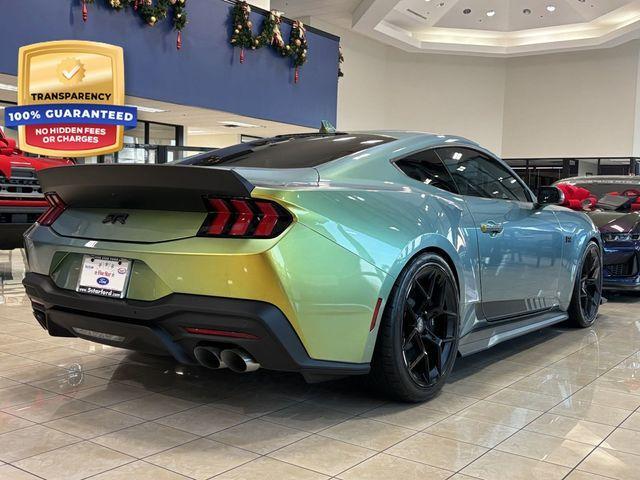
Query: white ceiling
pixel 201 121
pixel 513 27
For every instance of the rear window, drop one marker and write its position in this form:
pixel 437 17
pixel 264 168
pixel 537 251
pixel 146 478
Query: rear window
pixel 291 151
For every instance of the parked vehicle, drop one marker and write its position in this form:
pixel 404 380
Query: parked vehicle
pixel 21 199
pixel 379 253
pixel 613 203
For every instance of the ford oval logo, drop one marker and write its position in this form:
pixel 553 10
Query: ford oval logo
pixel 102 281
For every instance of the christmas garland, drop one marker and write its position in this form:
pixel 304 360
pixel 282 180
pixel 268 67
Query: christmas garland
pixel 270 36
pixel 150 12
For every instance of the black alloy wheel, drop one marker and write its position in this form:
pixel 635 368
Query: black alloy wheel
pixel 587 294
pixel 419 332
pixel 430 325
pixel 591 284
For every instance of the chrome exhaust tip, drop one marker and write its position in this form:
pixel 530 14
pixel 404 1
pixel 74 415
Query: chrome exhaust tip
pixel 239 361
pixel 209 357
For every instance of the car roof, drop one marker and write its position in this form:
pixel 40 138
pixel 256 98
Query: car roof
pixel 393 134
pixel 404 134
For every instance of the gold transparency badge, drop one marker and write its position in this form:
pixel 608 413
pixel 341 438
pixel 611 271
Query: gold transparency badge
pixel 71 99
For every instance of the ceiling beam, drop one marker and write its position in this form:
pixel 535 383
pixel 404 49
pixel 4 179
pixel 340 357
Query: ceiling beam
pixel 369 13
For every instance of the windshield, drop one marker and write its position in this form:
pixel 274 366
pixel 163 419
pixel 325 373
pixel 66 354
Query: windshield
pixel 602 194
pixel 288 151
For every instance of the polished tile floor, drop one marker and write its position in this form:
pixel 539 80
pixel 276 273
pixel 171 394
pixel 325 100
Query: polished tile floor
pixel 560 403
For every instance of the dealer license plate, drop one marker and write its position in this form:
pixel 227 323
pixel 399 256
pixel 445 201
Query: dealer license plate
pixel 104 276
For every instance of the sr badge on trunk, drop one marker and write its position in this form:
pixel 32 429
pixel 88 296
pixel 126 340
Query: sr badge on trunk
pixel 114 218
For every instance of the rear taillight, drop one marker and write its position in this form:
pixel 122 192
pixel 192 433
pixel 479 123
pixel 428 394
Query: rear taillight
pixel 244 218
pixel 56 207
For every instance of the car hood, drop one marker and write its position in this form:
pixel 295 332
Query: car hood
pixel 616 222
pixel 9 162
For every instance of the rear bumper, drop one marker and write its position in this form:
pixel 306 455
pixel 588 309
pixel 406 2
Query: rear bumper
pixel 159 326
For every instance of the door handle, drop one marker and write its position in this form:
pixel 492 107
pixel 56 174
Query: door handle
pixel 491 228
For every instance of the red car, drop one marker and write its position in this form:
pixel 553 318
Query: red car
pixel 21 200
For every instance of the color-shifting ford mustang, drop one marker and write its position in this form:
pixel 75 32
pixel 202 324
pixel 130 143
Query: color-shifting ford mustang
pixel 613 203
pixel 328 254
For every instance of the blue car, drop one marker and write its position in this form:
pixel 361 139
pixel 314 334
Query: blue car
pixel 613 203
pixel 328 254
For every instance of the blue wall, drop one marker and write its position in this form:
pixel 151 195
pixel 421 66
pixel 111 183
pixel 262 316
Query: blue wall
pixel 205 73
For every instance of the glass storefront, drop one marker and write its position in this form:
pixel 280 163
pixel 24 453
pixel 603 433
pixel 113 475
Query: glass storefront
pixel 148 142
pixel 141 143
pixel 538 172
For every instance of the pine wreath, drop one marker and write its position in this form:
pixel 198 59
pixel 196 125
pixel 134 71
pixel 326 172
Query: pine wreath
pixel 270 35
pixel 242 36
pixel 297 47
pixel 150 12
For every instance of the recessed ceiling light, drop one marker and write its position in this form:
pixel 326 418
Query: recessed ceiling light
pixel 466 11
pixel 551 8
pixel 491 13
pixel 232 124
pixel 147 109
pixel 11 88
pixel 527 11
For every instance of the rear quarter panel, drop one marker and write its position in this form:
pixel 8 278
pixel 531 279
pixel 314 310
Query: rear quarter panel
pixel 388 220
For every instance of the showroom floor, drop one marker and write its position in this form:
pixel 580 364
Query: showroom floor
pixel 554 404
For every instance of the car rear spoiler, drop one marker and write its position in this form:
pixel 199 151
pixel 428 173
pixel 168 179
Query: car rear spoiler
pixel 151 187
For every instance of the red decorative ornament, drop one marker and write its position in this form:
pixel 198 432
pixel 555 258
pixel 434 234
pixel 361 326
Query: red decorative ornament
pixel 242 56
pixel 85 12
pixel 296 76
pixel 179 40
pixel 135 4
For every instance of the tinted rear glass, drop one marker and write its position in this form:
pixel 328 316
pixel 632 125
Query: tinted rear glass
pixel 291 151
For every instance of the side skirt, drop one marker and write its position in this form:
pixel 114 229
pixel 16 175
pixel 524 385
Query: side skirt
pixel 489 335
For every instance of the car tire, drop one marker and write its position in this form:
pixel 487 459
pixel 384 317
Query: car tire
pixel 587 289
pixel 422 313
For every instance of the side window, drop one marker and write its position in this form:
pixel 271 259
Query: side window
pixel 426 167
pixel 480 176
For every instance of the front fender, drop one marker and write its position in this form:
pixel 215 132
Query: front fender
pixel 578 230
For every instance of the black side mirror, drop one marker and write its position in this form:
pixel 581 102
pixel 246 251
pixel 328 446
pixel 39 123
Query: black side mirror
pixel 549 196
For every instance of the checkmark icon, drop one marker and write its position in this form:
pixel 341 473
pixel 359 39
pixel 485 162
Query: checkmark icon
pixel 69 74
pixel 70 71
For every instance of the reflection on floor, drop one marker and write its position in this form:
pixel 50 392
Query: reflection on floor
pixel 555 404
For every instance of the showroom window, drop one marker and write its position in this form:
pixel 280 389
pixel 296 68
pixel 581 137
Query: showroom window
pixel 149 142
pixel 426 167
pixel 480 176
